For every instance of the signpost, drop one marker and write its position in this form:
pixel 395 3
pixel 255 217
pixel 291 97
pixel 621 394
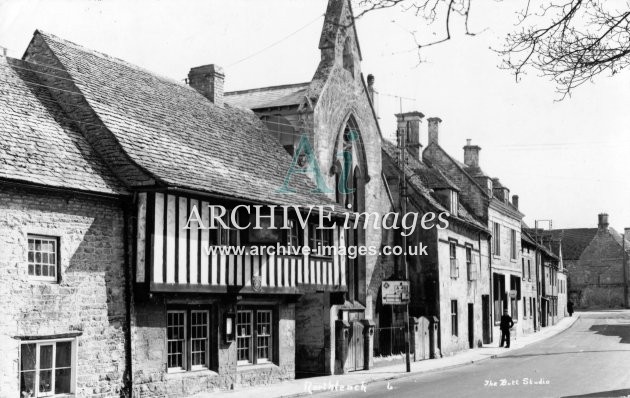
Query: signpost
pixel 395 292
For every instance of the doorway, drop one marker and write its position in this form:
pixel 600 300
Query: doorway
pixel 471 326
pixel 485 315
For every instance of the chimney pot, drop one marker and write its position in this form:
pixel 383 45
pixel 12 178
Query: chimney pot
pixel 471 154
pixel 208 80
pixel 434 129
pixel 602 221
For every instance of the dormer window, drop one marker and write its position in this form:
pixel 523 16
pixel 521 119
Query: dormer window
pixel 454 203
pixel 449 199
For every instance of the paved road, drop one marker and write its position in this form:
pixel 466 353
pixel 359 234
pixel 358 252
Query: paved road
pixel 590 359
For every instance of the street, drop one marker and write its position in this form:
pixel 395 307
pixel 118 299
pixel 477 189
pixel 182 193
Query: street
pixel 590 359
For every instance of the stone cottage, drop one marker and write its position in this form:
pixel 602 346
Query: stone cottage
pixel 596 265
pixel 489 200
pixel 449 285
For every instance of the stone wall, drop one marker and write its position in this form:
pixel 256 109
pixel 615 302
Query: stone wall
pixel 89 299
pixel 151 378
pixel 597 277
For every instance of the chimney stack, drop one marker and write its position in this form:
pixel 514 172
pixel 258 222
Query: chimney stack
pixel 515 201
pixel 471 154
pixel 413 120
pixel 602 221
pixel 208 81
pixel 434 129
pixel 626 234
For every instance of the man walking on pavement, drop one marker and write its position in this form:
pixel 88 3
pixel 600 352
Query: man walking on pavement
pixel 506 324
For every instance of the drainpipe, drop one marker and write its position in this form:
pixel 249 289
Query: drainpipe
pixel 128 205
pixel 489 238
pixel 623 265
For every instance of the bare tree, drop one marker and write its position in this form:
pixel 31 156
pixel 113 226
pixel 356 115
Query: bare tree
pixel 570 41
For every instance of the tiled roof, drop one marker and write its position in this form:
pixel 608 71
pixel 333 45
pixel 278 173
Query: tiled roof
pixel 268 97
pixel 421 176
pixel 574 240
pixel 39 144
pixel 179 136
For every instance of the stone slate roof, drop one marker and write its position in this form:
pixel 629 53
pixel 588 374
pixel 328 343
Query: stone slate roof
pixel 423 179
pixel 39 144
pixel 268 97
pixel 178 136
pixel 574 240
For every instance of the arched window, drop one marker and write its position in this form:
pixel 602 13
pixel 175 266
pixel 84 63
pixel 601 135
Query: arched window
pixel 348 58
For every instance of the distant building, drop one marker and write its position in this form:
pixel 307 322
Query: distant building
pixel 597 269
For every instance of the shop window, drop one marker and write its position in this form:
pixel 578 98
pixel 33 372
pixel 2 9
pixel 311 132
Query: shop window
pixel 254 336
pixel 47 368
pixel 43 257
pixel 187 333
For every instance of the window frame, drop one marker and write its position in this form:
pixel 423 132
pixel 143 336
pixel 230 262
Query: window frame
pixel 454 319
pixel 54 368
pixel 57 256
pixel 496 239
pixel 454 202
pixel 254 335
pixel 294 235
pixel 229 236
pixel 187 354
pixel 452 250
pixel 326 239
pixel 513 248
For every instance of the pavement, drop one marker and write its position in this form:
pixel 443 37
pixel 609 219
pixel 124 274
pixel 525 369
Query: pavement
pixel 361 380
pixel 589 359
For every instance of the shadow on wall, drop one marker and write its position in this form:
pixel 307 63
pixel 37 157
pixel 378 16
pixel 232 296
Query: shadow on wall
pixel 613 393
pixel 621 330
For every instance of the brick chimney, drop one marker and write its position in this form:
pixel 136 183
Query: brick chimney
pixel 434 129
pixel 515 201
pixel 602 221
pixel 208 81
pixel 471 154
pixel 413 120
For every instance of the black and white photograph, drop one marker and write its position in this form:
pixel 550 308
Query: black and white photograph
pixel 289 198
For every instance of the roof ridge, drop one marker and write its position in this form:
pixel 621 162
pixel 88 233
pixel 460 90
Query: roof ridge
pixel 258 89
pixel 120 61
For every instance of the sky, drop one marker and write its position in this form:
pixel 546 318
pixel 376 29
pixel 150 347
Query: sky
pixel 567 160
